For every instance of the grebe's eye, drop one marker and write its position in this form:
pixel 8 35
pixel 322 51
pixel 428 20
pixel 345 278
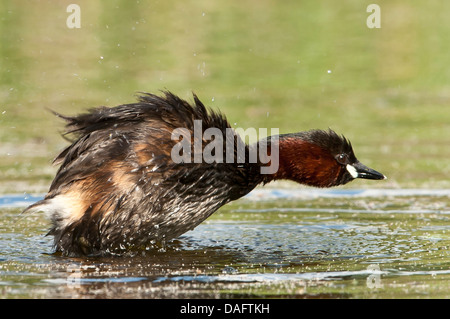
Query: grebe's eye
pixel 342 159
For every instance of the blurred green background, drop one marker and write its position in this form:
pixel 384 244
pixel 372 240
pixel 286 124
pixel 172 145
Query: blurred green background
pixel 292 65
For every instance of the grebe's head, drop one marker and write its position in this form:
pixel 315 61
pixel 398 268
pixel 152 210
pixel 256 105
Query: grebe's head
pixel 322 159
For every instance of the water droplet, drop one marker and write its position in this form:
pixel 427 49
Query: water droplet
pixel 229 270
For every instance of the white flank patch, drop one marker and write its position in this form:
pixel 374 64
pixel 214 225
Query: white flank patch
pixel 352 171
pixel 65 208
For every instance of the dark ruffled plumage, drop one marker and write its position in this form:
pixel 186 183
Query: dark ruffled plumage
pixel 117 187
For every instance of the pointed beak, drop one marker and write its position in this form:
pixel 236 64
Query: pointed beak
pixel 359 170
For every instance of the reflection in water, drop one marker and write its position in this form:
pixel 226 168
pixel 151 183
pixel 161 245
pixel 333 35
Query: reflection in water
pixel 385 246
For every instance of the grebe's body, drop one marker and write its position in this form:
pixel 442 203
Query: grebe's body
pixel 118 187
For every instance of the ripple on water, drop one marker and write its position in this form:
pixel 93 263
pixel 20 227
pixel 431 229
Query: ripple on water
pixel 271 243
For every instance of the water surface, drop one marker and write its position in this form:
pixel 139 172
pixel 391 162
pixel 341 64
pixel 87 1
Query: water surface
pixel 294 65
pixel 273 243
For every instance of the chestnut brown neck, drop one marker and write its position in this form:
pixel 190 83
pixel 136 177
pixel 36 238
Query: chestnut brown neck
pixel 305 163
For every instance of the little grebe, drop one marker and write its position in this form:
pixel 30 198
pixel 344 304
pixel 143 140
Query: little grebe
pixel 119 188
